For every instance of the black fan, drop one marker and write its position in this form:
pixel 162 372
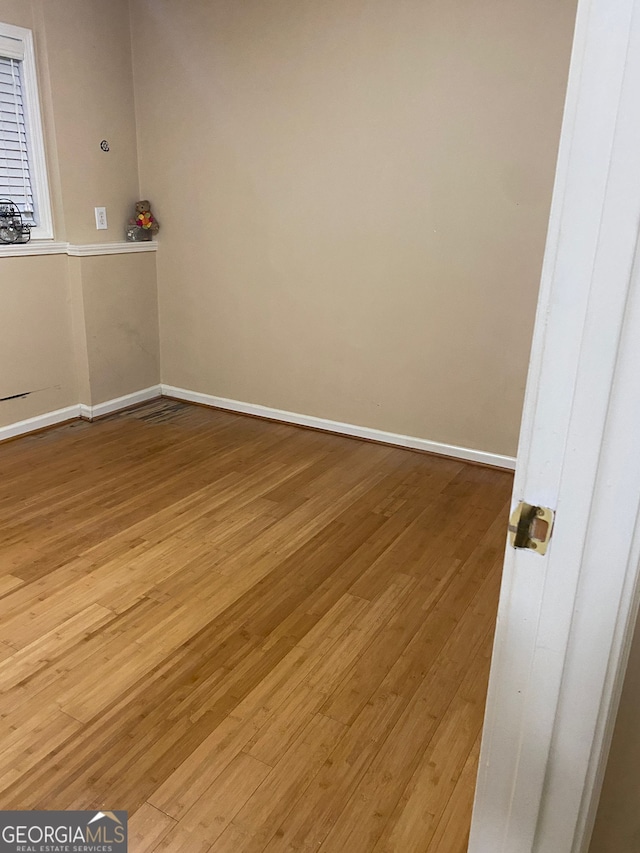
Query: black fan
pixel 12 228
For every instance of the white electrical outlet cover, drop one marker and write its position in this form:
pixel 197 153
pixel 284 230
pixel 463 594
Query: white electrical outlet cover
pixel 101 218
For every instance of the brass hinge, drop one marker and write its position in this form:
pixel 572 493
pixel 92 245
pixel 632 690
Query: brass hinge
pixel 530 527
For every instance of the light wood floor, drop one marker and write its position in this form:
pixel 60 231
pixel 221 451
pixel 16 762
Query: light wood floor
pixel 252 637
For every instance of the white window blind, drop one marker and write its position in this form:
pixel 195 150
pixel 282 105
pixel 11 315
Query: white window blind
pixel 15 172
pixel 23 162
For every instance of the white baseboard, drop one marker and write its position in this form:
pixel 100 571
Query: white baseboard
pixel 92 249
pixel 70 413
pixel 408 441
pixel 80 411
pixel 118 403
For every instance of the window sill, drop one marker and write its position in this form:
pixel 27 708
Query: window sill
pixel 48 247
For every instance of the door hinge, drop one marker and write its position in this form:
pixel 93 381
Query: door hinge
pixel 531 527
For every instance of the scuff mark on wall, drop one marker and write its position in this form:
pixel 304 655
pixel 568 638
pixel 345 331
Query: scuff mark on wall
pixel 15 396
pixel 24 394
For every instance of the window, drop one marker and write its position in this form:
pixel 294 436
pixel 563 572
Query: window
pixel 23 170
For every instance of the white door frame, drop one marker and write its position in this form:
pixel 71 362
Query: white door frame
pixel 565 620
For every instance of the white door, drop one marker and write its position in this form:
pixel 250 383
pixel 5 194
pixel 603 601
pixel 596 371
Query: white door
pixel 565 619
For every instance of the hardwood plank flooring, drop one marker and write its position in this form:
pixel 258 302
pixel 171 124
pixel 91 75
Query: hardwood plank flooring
pixel 254 638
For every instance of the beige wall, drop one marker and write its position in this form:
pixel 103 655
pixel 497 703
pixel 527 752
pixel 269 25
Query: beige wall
pixel 120 305
pixel 354 197
pixel 36 346
pixel 88 49
pixel 617 827
pixel 83 52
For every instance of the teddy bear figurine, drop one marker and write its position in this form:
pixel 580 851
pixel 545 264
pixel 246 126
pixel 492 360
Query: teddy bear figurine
pixel 143 226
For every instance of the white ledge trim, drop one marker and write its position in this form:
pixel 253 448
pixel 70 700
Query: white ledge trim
pixel 91 249
pixel 84 250
pixel 409 441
